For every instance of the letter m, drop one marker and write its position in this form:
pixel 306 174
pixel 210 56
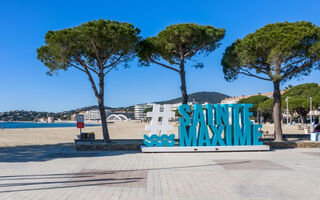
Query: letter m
pixel 188 136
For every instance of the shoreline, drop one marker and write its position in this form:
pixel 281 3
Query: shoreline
pixel 26 126
pixel 56 135
pixel 38 122
pixel 117 130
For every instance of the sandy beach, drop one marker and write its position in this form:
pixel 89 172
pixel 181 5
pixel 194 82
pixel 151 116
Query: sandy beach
pixel 41 136
pixel 118 130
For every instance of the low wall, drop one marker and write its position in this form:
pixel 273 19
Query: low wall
pixel 130 144
pixel 293 144
pixel 93 145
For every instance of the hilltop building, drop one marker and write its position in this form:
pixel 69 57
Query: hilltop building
pixel 94 115
pixel 91 115
pixel 139 113
pixel 234 100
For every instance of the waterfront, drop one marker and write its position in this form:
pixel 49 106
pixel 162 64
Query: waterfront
pixel 56 135
pixel 118 130
pixel 14 125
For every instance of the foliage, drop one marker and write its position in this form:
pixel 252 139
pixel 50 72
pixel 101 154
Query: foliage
pixel 176 113
pixel 94 48
pixel 255 100
pixel 277 51
pixel 299 98
pixel 22 115
pixel 90 46
pixel 148 110
pixel 178 44
pixel 180 40
pixel 304 91
pixel 288 87
pixel 266 108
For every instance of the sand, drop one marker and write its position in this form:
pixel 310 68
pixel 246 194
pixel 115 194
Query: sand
pixel 42 136
pixel 118 130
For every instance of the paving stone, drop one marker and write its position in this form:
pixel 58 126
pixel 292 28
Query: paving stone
pixel 250 165
pixel 56 174
pixel 121 178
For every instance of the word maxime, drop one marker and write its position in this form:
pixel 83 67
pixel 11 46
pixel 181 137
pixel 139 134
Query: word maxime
pixel 228 124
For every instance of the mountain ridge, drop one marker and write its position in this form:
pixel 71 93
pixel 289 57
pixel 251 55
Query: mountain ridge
pixel 22 115
pixel 198 97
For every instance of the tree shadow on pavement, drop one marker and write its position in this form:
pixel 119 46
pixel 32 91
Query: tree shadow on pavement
pixel 38 153
pixel 85 178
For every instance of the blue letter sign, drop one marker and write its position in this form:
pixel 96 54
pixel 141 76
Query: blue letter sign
pixel 229 124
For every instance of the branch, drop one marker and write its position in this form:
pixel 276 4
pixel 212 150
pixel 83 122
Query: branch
pixel 259 68
pixel 108 57
pixel 86 70
pixel 297 69
pixel 96 50
pixel 114 63
pixel 75 66
pixel 111 68
pixel 92 69
pixel 94 87
pixel 192 52
pixel 84 65
pixel 248 73
pixel 293 63
pixel 163 65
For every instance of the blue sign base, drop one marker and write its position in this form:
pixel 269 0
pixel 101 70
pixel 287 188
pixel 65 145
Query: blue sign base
pixel 177 149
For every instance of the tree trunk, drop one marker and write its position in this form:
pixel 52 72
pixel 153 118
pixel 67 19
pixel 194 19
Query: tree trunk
pixel 100 97
pixel 277 111
pixel 102 110
pixel 103 117
pixel 302 119
pixel 183 86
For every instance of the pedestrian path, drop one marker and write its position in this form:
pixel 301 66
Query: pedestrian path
pixel 280 174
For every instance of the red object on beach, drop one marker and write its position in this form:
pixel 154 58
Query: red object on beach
pixel 80 125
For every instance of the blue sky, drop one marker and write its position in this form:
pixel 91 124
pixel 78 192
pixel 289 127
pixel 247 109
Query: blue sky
pixel 25 85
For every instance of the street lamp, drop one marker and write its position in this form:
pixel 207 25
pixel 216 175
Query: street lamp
pixel 310 110
pixel 287 100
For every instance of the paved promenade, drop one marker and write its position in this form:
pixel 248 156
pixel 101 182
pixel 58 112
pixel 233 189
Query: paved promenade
pixel 58 172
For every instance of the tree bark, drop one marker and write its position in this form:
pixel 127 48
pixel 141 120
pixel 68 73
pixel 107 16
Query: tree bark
pixel 183 86
pixel 277 111
pixel 103 116
pixel 302 119
pixel 102 110
pixel 100 97
pixel 182 73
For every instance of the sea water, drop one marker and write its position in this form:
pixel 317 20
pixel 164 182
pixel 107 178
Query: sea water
pixel 38 125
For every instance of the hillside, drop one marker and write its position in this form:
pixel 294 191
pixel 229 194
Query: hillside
pixel 21 115
pixel 199 97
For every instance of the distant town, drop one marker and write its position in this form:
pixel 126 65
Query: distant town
pixel 136 112
pixel 91 113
